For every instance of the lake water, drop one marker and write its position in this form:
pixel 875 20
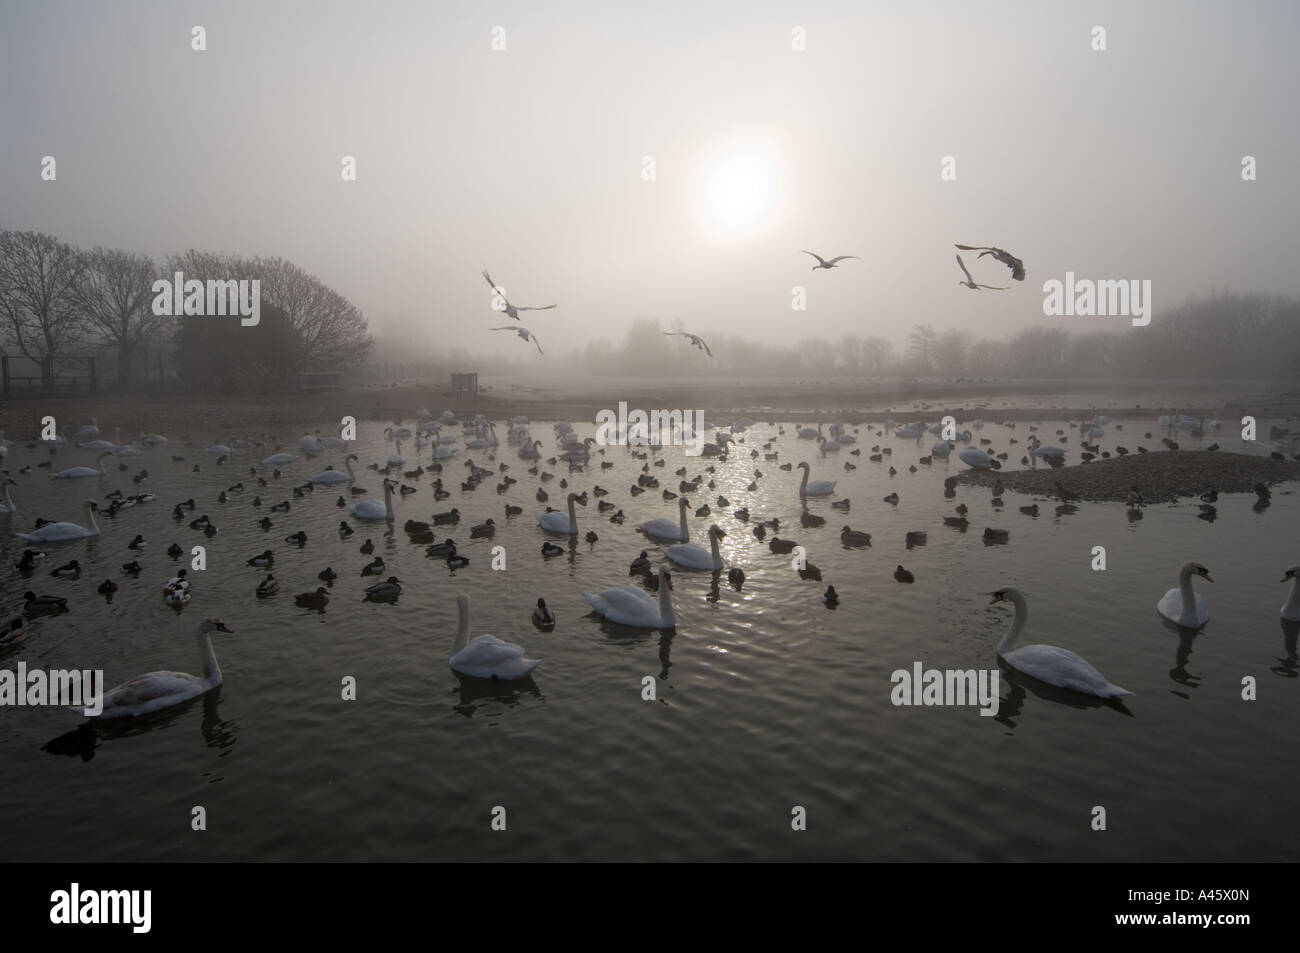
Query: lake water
pixel 766 699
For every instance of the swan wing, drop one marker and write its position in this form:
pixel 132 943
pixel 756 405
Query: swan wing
pixel 815 255
pixel 151 692
pixel 1063 668
pixel 487 651
pixel 623 600
pixel 963 269
pixel 840 258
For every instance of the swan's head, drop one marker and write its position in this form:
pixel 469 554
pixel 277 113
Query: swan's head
pixel 1292 572
pixel 1008 594
pixel 574 498
pixel 718 531
pixel 683 503
pixel 1196 569
pixel 804 466
pixel 665 577
pixel 91 505
pixel 213 625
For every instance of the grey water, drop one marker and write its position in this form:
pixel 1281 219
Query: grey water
pixel 766 699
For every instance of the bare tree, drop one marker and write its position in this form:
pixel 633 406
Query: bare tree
pixel 329 330
pixel 38 302
pixel 921 343
pixel 115 296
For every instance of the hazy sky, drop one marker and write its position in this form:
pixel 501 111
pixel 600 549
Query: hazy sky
pixel 1115 164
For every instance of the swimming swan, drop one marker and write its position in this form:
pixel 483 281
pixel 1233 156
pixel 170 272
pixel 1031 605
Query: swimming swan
pixel 1047 663
pixel 559 523
pixel 1291 611
pixel 816 487
pixel 326 477
pixel 373 509
pixel 1182 605
pixel 666 528
pixel 486 656
pixel 691 556
pixel 633 606
pixel 157 690
pixel 57 532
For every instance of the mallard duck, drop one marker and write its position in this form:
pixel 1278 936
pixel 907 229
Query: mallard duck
pixel 389 589
pixel 312 600
pixel 268 586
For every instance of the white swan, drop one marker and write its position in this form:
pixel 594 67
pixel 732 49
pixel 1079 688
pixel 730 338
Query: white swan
pixel 1291 611
pixel 57 532
pixel 976 458
pixel 158 690
pixel 326 477
pixel 278 459
pixel 7 505
pixel 109 445
pixel 555 522
pixel 1182 605
pixel 75 473
pixel 373 509
pixel 1048 663
pixel 816 487
pixel 486 656
pixel 88 430
pixel 666 528
pixel 632 605
pixel 396 459
pixel 691 556
pixel 310 443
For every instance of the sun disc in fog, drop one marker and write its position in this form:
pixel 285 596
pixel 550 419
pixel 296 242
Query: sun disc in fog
pixel 739 190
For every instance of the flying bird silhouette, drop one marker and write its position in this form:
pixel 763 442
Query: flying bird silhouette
pixel 823 263
pixel 695 339
pixel 970 282
pixel 525 334
pixel 1011 261
pixel 510 309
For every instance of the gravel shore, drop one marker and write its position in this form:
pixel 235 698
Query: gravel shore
pixel 1161 477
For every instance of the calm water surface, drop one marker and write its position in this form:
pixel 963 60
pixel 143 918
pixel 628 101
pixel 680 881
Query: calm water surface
pixel 766 699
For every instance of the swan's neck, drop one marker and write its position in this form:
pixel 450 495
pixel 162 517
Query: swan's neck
pixel 208 658
pixel 462 627
pixel 717 553
pixel 90 519
pixel 803 484
pixel 686 530
pixel 8 499
pixel 1017 625
pixel 1292 607
pixel 1188 593
pixel 666 614
pixel 573 517
pixel 388 503
pixel 348 463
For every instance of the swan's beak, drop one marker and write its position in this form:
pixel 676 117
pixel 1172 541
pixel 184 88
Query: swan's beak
pixel 997 597
pixel 222 627
pixel 1206 576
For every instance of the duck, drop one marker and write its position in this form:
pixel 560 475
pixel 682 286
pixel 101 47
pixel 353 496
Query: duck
pixel 736 576
pixel 175 551
pixel 344 529
pixel 992 535
pixel 486 656
pixel 70 570
pixel 483 530
pixel 267 587
pixel 892 499
pixel 633 606
pixel 852 537
pixel 1048 663
pixel 313 600
pixel 391 588
pixel 831 597
pixel 916 537
pixel 27 562
pixel 132 568
pixel 373 568
pixel 902 575
pixel 1183 606
pixel 780 546
pixel 158 690
pixel 367 548
pixel 107 587
pixel 457 561
pixel 450 518
pixel 552 549
pixel 327 574
pixel 35 605
pixel 543 617
pixel 264 561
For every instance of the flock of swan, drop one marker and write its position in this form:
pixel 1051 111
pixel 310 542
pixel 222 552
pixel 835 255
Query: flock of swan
pixel 647 605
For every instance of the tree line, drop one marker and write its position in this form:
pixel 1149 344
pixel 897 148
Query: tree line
pixel 58 301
